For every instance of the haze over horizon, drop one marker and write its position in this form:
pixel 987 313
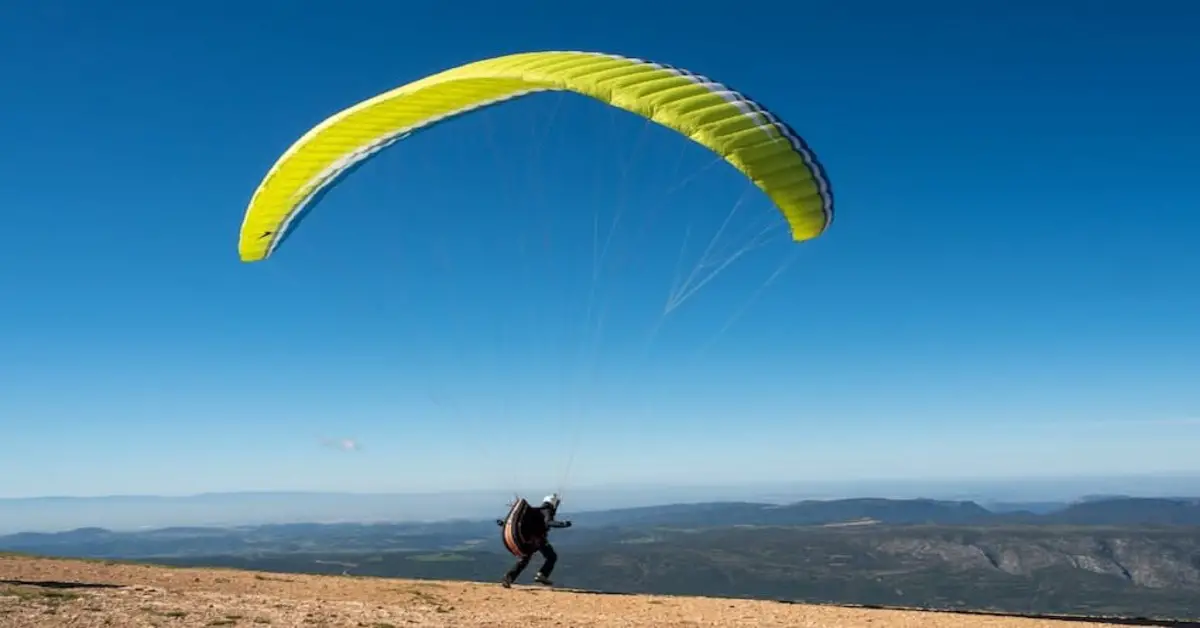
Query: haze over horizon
pixel 1033 486
pixel 132 512
pixel 1007 290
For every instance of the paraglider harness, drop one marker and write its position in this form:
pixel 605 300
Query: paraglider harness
pixel 525 529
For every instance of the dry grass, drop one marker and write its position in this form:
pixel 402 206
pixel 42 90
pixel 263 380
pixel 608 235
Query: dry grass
pixel 87 594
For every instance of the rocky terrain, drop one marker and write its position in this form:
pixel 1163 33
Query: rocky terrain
pixel 63 593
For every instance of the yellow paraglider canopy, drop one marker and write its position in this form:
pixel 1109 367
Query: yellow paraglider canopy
pixel 738 129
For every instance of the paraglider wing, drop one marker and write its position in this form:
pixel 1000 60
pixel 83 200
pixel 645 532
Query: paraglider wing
pixel 727 122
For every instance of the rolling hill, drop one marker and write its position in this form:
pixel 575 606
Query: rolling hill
pixel 1107 556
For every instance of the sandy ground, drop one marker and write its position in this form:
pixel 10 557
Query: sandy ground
pixel 85 594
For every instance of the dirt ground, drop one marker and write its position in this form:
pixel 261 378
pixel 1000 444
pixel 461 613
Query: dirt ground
pixel 85 594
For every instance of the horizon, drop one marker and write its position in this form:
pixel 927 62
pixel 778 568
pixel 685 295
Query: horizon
pixel 226 509
pixel 934 483
pixel 504 302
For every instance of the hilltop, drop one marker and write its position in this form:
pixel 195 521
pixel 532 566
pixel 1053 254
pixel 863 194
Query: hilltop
pixel 85 594
pixel 1104 557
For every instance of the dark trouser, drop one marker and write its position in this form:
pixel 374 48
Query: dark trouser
pixel 547 551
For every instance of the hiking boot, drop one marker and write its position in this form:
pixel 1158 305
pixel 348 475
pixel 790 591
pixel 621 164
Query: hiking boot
pixel 507 582
pixel 541 579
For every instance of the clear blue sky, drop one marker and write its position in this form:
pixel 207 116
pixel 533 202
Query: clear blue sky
pixel 1011 286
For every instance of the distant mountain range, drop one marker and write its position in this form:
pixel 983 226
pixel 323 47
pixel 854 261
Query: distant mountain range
pixel 1105 511
pixel 594 527
pixel 140 512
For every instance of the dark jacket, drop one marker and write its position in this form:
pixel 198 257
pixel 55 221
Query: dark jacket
pixel 547 511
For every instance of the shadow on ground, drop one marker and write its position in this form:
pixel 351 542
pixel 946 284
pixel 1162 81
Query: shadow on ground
pixel 58 584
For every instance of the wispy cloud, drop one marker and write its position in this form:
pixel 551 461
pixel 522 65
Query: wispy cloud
pixel 342 444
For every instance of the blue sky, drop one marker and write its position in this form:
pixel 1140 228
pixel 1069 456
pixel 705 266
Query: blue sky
pixel 1009 288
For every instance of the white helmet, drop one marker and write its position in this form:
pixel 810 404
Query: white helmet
pixel 552 499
